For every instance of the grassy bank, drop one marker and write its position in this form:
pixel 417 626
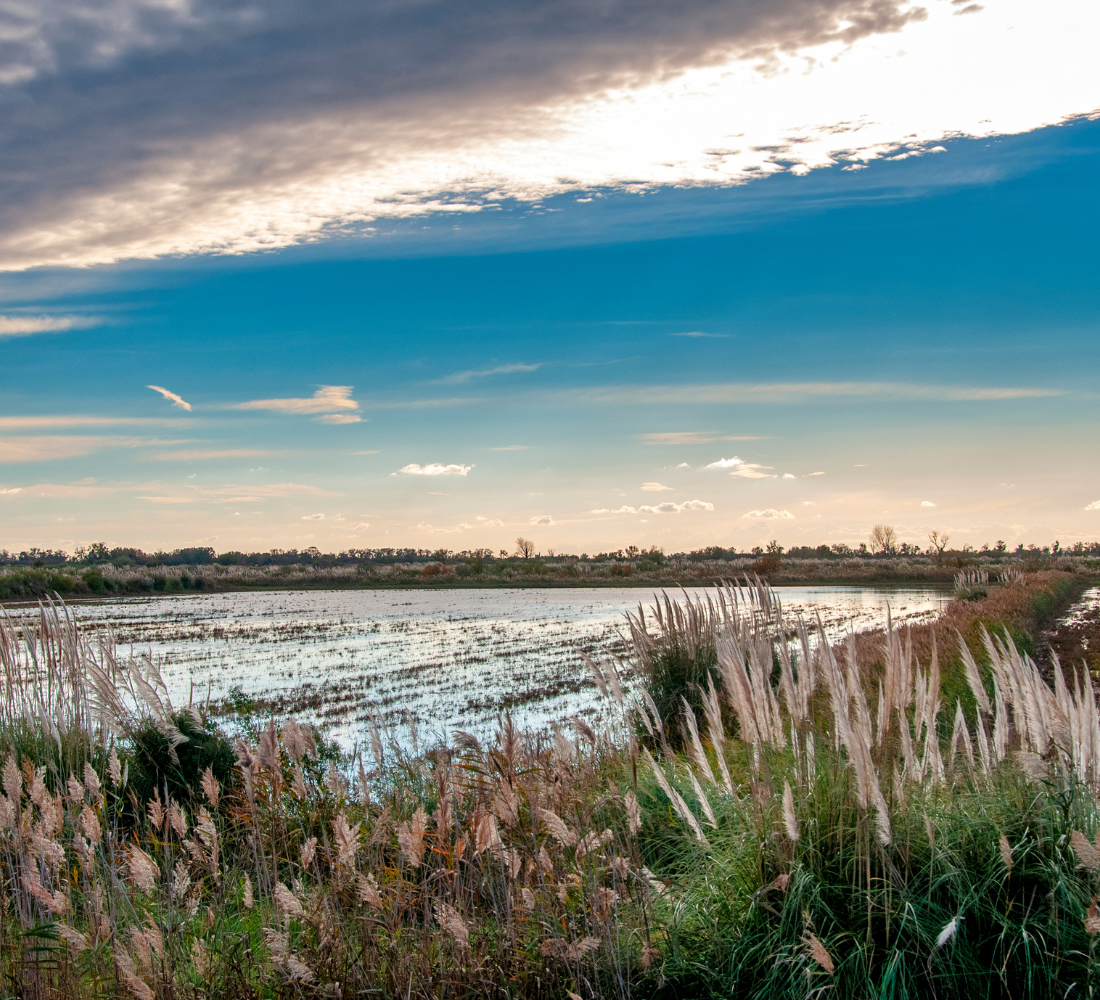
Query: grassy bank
pixel 106 579
pixel 904 815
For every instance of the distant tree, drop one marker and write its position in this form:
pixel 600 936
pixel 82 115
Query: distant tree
pixel 938 540
pixel 503 553
pixel 774 548
pixel 883 539
pixel 525 548
pixel 550 553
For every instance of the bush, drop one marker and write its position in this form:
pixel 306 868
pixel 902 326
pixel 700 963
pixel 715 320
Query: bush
pixel 154 765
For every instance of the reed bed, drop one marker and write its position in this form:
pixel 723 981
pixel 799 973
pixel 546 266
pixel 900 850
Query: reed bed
pixel 765 816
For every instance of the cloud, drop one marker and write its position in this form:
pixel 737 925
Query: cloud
pixel 328 399
pixel 150 128
pixel 661 508
pixel 9 492
pixel 171 397
pixel 50 448
pixel 742 469
pixel 76 420
pixel 1095 505
pixel 313 517
pixel 695 437
pixel 771 514
pixel 339 418
pixel 654 487
pixel 200 454
pixel 808 474
pixel 543 519
pixel 746 393
pixel 432 529
pixel 26 326
pixel 696 333
pixel 499 370
pixel 511 447
pixel 434 469
pixel 361 526
pixel 927 503
pixel 787 475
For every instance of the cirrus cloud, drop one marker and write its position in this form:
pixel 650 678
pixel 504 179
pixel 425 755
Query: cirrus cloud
pixel 433 469
pixel 25 326
pixel 328 400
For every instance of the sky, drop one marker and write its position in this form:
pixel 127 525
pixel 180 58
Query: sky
pixel 360 274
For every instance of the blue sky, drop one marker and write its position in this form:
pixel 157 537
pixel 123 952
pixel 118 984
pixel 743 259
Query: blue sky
pixel 633 352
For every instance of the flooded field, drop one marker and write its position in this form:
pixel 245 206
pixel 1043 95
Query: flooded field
pixel 453 659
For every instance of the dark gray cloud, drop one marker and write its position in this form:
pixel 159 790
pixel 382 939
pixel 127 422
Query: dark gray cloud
pixel 93 96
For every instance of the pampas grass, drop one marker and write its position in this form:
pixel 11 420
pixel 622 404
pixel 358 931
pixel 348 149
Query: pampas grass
pixel 799 817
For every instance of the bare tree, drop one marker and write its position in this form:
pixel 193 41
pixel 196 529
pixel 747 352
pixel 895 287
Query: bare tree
pixel 884 539
pixel 525 548
pixel 939 541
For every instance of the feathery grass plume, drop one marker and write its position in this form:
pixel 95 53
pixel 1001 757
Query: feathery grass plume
pixel 1086 851
pixel 410 836
pixel 557 827
pixel 790 821
pixel 704 802
pixel 246 896
pixel 210 787
pixel 143 870
pixel 1006 851
pixel 678 804
pixel 950 929
pixel 712 709
pixel 633 812
pixel 346 838
pixel 288 903
pixel 451 921
pixel 308 850
pixel 819 954
pixel 1092 918
pixel 695 747
pixel 367 889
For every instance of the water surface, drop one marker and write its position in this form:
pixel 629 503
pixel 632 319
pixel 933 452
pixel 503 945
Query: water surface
pixel 451 658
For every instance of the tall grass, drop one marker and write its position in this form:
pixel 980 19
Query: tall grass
pixel 796 820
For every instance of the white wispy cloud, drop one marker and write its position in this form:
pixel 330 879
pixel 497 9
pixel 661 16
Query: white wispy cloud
pixel 655 487
pixel 742 469
pixel 1095 505
pixel 698 333
pixel 78 420
pixel 735 393
pixel 313 517
pixel 328 400
pixel 12 490
pixel 199 454
pixel 48 448
pixel 695 437
pixel 770 514
pixel 661 508
pixel 927 503
pixel 465 376
pixel 433 469
pixel 175 400
pixel 340 418
pixel 26 326
pixel 543 519
pixel 511 447
pixel 808 474
pixel 433 530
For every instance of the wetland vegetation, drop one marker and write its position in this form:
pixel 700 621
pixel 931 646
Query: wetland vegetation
pixel 911 812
